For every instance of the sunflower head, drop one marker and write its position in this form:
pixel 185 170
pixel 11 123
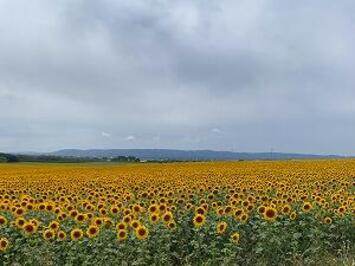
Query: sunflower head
pixel 141 232
pixel 221 227
pixel 135 224
pixel 122 235
pixel 48 234
pixel 171 225
pixel 54 225
pixel 76 234
pixel 307 206
pixel 293 216
pixel 121 226
pixel 286 209
pixel 261 209
pixel 154 218
pixel 29 228
pixel 4 244
pixel 199 220
pixel 327 220
pixel 80 217
pixel 3 220
pixel 235 238
pixel 167 217
pixel 270 214
pixel 20 222
pixel 61 235
pixel 98 221
pixel 92 231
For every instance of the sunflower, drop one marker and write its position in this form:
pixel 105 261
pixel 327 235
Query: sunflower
pixel 122 235
pixel 293 216
pixel 162 207
pixel 61 235
pixel 228 209
pixel 19 212
pixel 341 209
pixel 98 221
pixel 126 211
pixel 153 208
pixel 307 206
pixel 235 238
pixel 73 213
pixel 167 217
pixel 92 231
pixel 121 226
pixel 3 220
pixel 103 211
pixel 80 218
pixel 135 224
pixel 270 214
pixel 108 222
pixel 154 218
pixel 127 219
pixel 199 220
pixel 136 208
pixel 221 227
pixel 114 210
pixel 48 234
pixel 261 209
pixel 237 213
pixel 54 225
pixel 76 234
pixel 220 211
pixel 172 225
pixel 141 232
pixel 19 222
pixel 4 244
pixel 35 222
pixel 244 217
pixel 200 210
pixel 29 228
pixel 286 209
pixel 327 220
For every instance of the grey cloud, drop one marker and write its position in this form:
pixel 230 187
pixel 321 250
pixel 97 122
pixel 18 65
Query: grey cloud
pixel 267 73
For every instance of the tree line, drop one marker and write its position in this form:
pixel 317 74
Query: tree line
pixel 10 158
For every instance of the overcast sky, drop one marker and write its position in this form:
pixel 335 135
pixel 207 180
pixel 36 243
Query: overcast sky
pixel 225 75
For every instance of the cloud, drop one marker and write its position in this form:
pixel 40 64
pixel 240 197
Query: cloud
pixel 269 74
pixel 105 134
pixel 216 130
pixel 130 138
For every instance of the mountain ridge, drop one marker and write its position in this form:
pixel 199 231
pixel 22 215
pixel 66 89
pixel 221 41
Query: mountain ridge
pixel 187 155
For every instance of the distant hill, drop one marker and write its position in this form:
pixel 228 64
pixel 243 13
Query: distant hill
pixel 50 158
pixel 185 155
pixel 7 158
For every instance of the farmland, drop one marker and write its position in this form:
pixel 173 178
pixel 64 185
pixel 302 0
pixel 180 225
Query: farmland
pixel 207 213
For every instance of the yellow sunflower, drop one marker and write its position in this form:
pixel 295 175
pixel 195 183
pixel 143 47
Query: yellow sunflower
pixel 235 238
pixel 141 232
pixel 61 235
pixel 92 231
pixel 48 234
pixel 76 234
pixel 4 244
pixel 327 220
pixel 3 220
pixel 199 220
pixel 122 235
pixel 221 227
pixel 270 214
pixel 307 206
pixel 29 228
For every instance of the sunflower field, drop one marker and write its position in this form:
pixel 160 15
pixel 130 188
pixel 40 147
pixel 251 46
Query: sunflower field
pixel 206 213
